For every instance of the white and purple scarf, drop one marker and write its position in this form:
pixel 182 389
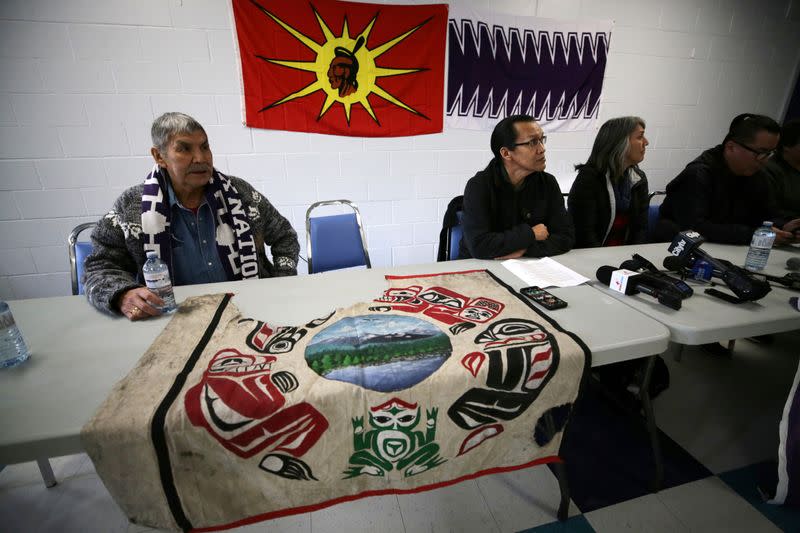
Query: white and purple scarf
pixel 235 243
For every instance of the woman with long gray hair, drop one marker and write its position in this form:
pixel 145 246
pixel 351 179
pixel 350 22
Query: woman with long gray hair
pixel 608 200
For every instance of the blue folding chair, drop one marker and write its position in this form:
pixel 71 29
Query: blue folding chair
pixel 77 255
pixel 335 241
pixel 454 235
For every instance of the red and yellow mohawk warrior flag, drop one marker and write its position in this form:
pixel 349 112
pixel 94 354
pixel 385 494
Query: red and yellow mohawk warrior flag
pixel 342 68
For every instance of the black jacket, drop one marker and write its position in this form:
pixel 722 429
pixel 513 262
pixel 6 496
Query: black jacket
pixel 590 204
pixel 785 185
pixel 723 207
pixel 498 219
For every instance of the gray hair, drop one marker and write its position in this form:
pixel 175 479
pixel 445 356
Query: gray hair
pixel 611 145
pixel 170 124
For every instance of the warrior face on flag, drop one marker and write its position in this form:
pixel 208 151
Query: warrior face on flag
pixel 343 72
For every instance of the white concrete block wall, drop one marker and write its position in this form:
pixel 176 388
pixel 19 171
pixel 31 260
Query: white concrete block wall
pixel 82 80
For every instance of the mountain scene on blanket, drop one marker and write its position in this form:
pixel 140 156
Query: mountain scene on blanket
pixel 381 353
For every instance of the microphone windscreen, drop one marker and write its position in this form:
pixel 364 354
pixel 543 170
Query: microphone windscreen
pixel 674 263
pixel 604 274
pixel 793 263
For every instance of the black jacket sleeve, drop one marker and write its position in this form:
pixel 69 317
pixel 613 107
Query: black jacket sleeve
pixel 692 208
pixel 583 207
pixel 559 224
pixel 481 242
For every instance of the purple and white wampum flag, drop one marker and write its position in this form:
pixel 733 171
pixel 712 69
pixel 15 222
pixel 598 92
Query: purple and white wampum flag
pixel 502 65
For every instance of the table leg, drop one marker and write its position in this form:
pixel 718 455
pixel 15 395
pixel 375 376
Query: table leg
pixel 678 352
pixel 560 471
pixel 563 484
pixel 650 420
pixel 47 472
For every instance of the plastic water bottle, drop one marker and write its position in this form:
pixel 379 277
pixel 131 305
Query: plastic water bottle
pixel 13 349
pixel 156 276
pixel 760 246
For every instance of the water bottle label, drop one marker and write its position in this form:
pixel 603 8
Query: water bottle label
pixel 157 280
pixel 762 241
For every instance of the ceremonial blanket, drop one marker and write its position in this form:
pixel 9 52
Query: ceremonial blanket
pixel 227 420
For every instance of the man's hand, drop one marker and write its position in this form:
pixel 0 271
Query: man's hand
pixel 540 232
pixel 793 226
pixel 785 236
pixel 513 255
pixel 139 303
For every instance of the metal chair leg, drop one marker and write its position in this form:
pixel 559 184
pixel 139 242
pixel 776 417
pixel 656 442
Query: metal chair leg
pixel 652 429
pixel 47 472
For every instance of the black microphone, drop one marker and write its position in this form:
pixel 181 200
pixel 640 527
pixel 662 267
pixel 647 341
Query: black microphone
pixel 643 283
pixel 637 262
pixel 686 245
pixel 658 278
pixel 793 263
pixel 790 281
pixel 684 268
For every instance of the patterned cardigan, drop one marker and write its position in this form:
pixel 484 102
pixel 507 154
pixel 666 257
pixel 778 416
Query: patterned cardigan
pixel 115 264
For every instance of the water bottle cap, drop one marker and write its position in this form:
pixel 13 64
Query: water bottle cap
pixel 151 253
pixel 767 223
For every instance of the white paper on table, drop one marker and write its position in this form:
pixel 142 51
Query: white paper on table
pixel 544 272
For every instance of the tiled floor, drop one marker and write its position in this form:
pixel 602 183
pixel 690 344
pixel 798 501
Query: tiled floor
pixel 721 413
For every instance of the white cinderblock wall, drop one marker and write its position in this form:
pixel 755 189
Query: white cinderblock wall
pixel 82 80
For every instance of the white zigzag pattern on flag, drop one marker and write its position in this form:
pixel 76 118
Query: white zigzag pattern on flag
pixel 571 111
pixel 511 36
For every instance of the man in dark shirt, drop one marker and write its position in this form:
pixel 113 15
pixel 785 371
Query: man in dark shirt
pixel 784 171
pixel 513 208
pixel 724 194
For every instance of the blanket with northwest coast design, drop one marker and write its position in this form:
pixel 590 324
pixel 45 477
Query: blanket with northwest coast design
pixel 228 420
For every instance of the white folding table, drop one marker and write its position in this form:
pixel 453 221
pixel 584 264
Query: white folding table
pixel 78 353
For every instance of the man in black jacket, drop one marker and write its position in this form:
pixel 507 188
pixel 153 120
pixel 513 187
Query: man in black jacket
pixel 513 208
pixel 784 171
pixel 724 194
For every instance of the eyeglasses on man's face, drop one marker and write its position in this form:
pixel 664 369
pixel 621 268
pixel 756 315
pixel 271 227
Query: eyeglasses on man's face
pixel 533 143
pixel 760 155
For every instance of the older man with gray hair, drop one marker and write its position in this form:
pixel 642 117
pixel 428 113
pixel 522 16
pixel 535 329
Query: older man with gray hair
pixel 206 226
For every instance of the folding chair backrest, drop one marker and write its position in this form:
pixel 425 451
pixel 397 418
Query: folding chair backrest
pixel 652 214
pixel 77 255
pixel 454 236
pixel 335 241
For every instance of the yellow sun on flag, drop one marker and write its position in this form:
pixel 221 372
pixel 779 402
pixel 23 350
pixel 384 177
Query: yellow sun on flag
pixel 345 67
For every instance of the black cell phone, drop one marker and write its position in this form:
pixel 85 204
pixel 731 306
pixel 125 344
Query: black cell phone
pixel 724 296
pixel 543 298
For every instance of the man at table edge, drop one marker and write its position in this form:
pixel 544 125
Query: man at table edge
pixel 724 194
pixel 206 226
pixel 513 208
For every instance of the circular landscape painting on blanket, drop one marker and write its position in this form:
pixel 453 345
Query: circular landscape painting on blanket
pixel 381 353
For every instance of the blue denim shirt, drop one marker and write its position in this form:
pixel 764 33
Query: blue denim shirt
pixel 194 245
